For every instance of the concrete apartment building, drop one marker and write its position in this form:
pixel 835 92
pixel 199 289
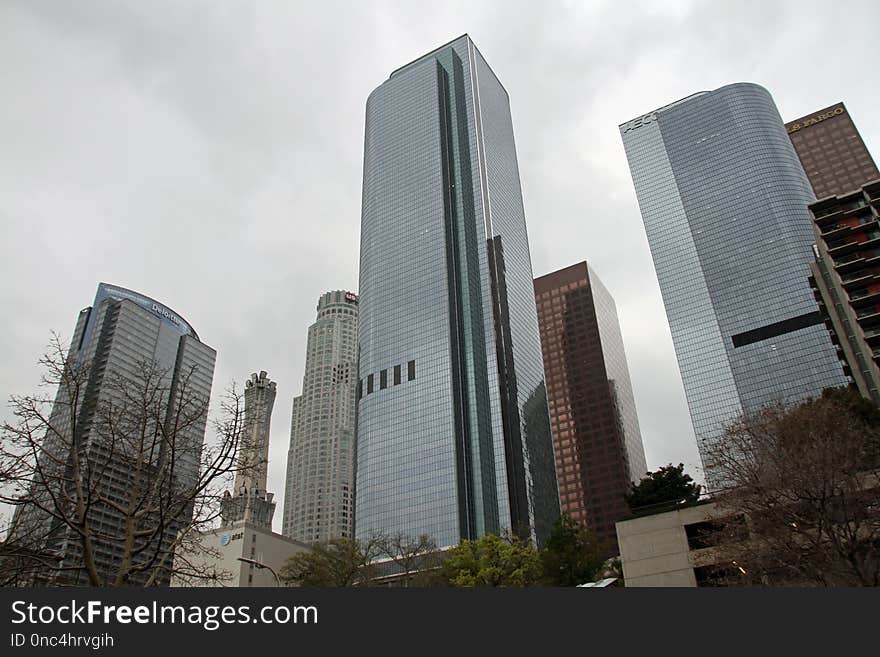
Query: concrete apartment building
pixel 846 280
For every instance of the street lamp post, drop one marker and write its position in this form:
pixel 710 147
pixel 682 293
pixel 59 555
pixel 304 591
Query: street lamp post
pixel 257 564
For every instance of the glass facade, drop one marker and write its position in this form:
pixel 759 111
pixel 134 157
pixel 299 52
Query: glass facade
pixel 724 201
pixel 461 447
pixel 120 337
pixel 617 373
pixel 599 451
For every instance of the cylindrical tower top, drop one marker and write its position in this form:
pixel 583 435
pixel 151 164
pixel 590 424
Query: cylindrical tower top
pixel 331 303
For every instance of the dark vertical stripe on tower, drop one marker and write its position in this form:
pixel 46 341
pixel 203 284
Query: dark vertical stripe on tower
pixel 459 374
pixel 514 460
pixel 475 450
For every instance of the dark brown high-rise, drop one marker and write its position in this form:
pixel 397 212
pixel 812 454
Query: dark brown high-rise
pixel 832 151
pixel 592 411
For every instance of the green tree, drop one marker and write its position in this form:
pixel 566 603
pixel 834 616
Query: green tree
pixel 572 554
pixel 492 561
pixel 668 484
pixel 339 562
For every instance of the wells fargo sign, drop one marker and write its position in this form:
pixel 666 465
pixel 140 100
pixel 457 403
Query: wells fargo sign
pixel 816 118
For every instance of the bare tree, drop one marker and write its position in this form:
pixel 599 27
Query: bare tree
pixel 339 562
pixel 805 483
pixel 381 558
pixel 108 489
pixel 414 558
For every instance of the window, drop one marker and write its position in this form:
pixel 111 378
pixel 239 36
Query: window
pixel 369 384
pixel 383 379
pixel 397 375
pixel 411 370
pixel 360 390
pixel 709 533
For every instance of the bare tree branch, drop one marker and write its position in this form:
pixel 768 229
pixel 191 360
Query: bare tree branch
pixel 126 472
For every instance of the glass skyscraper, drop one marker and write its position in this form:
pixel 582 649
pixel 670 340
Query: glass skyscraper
pixel 453 428
pixel 724 200
pixel 139 419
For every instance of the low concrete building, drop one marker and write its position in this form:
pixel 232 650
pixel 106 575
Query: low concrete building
pixel 668 549
pixel 219 557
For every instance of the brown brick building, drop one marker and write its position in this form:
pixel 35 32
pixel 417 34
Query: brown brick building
pixel 845 274
pixel 592 411
pixel 832 151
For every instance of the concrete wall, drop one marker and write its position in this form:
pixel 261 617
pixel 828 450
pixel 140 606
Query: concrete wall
pixel 242 540
pixel 654 549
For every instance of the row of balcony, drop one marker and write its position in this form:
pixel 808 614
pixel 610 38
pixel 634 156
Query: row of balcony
pixel 849 261
pixel 826 210
pixel 841 228
pixel 841 246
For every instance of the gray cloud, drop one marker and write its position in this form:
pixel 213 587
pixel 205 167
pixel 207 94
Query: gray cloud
pixel 210 155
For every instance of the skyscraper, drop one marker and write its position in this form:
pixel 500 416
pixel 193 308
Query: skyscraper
pixel 832 151
pixel 249 499
pixel 846 279
pixel 319 493
pixel 453 428
pixel 724 200
pixel 139 427
pixel 599 450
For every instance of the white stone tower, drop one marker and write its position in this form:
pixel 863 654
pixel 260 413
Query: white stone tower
pixel 319 493
pixel 249 500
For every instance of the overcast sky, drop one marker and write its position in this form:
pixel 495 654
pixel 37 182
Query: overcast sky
pixel 209 154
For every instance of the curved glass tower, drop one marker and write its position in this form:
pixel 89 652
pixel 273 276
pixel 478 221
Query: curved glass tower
pixel 724 200
pixel 453 428
pixel 139 421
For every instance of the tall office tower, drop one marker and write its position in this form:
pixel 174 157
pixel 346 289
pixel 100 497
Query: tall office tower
pixel 147 375
pixel 319 494
pixel 249 499
pixel 832 152
pixel 724 202
pixel 453 427
pixel 596 436
pixel 846 279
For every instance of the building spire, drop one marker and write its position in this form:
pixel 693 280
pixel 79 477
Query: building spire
pixel 249 500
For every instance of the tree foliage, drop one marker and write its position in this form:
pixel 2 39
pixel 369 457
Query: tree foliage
pixel 124 472
pixel 339 562
pixel 806 480
pixel 666 485
pixel 492 561
pixel 572 554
